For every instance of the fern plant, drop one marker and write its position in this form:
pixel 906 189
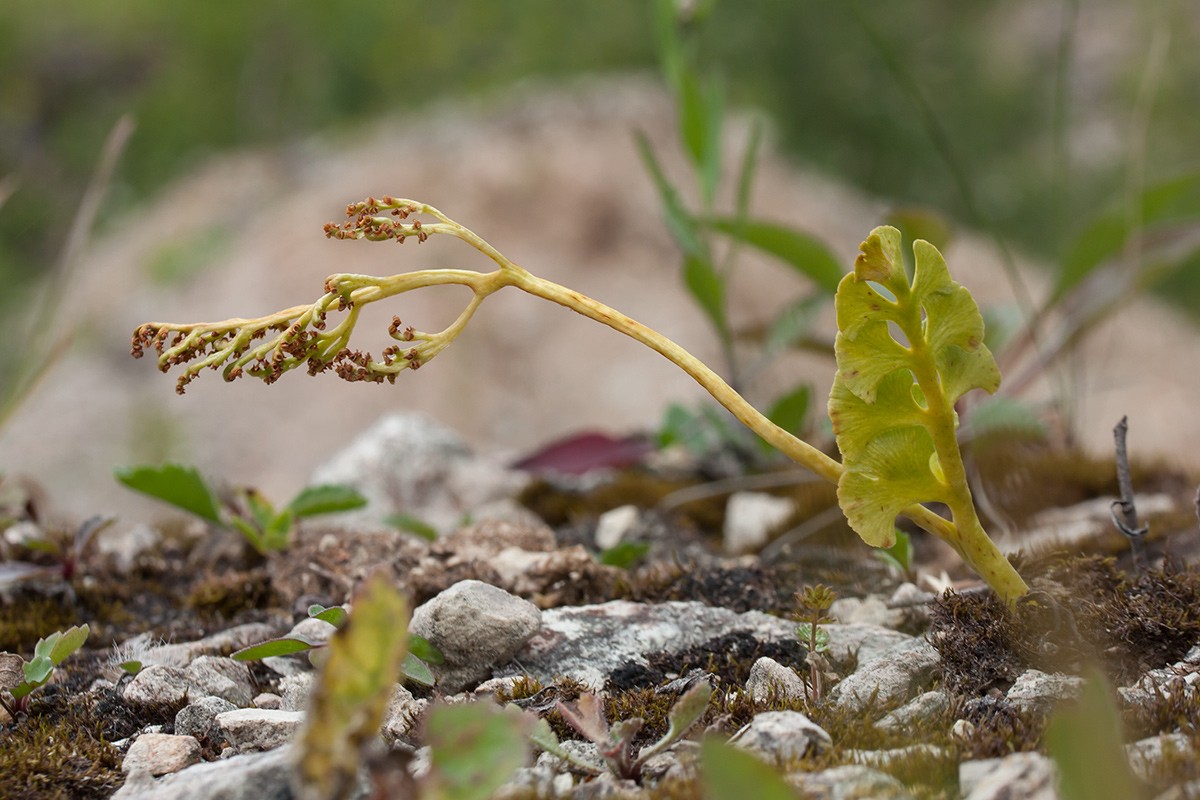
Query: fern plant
pixel 892 401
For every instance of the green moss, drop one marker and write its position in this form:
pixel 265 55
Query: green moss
pixel 228 594
pixel 60 752
pixel 30 617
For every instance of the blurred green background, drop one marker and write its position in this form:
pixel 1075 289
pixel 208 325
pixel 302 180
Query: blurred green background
pixel 841 81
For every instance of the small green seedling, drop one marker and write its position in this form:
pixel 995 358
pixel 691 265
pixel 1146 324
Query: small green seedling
pixel 892 403
pixel 19 677
pixel 814 602
pixel 616 743
pixel 415 665
pixel 265 527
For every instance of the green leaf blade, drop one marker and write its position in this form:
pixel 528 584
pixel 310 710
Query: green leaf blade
pixel 177 485
pixel 1086 745
pixel 805 254
pixel 708 288
pixel 67 643
pixel 326 499
pixel 283 646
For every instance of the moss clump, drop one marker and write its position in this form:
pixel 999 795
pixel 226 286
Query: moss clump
pixel 1084 610
pixel 60 752
pixel 226 595
pixel 31 616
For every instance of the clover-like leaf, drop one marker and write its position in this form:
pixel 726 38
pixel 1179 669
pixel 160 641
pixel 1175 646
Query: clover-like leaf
pixel 906 353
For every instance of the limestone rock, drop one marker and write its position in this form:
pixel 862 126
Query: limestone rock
pixel 781 737
pixel 850 782
pixel 215 676
pixel 161 753
pixel 158 685
pixel 408 463
pixel 750 517
pixel 253 729
pixel 198 718
pixel 1030 776
pixel 475 626
pixel 892 677
pixel 256 776
pixel 589 643
pixel 771 680
pixel 1039 692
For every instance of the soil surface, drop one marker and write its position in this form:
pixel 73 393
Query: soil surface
pixel 1089 605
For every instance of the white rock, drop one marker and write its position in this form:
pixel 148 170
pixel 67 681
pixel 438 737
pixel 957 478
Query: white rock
pixel 253 729
pixel 182 654
pixel 921 709
pixel 963 730
pixel 782 737
pixel 402 713
pixel 750 517
pixel 612 526
pixel 864 643
pixel 475 626
pixel 886 759
pixel 770 680
pixel 255 776
pixel 587 752
pixel 296 689
pixel 161 753
pixel 215 676
pixel 1146 755
pixel 1030 776
pixel 1039 692
pixel 588 643
pixel 1180 679
pixel 198 718
pixel 891 678
pixel 409 463
pixel 158 685
pixel 850 782
pixel 268 700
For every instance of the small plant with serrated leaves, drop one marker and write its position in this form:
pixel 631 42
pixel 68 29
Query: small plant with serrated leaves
pixel 19 678
pixel 892 402
pixel 415 666
pixel 615 742
pixel 814 602
pixel 246 510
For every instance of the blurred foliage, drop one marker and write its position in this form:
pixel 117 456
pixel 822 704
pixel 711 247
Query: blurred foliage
pixel 200 77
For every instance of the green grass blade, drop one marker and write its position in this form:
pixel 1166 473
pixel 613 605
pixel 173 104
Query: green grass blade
pixel 805 254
